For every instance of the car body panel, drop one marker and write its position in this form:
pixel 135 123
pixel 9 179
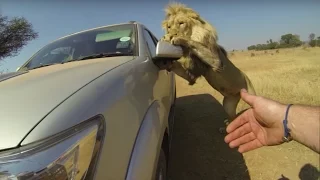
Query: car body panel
pixel 26 105
pixel 9 75
pixel 150 134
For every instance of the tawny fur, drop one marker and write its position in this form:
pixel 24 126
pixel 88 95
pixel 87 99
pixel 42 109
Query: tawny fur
pixel 202 56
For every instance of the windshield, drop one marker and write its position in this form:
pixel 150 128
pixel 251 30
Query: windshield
pixel 118 39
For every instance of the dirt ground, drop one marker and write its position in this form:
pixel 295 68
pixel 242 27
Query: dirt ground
pixel 199 151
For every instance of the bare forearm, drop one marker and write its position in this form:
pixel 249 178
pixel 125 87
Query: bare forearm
pixel 304 122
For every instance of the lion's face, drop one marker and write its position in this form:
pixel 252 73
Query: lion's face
pixel 178 25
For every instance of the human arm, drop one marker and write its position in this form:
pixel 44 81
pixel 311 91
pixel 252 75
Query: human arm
pixel 262 124
pixel 304 123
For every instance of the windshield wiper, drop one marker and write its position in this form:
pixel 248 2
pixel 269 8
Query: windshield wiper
pixel 100 55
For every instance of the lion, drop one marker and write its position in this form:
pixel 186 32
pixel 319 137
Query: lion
pixel 203 56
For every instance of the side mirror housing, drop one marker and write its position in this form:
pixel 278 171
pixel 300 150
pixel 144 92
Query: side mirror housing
pixel 166 50
pixel 165 54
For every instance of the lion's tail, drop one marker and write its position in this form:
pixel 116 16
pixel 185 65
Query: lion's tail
pixel 250 87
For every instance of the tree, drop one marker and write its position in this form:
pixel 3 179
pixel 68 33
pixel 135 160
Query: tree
pixel 285 39
pixel 312 36
pixel 253 47
pixel 313 43
pixel 290 40
pixel 14 35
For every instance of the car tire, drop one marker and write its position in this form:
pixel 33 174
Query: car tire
pixel 161 173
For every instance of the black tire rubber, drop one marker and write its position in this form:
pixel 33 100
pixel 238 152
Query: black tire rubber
pixel 162 166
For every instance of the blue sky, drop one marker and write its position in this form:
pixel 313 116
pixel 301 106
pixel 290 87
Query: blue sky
pixel 239 23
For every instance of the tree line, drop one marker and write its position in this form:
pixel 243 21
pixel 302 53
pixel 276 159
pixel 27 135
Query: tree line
pixel 287 41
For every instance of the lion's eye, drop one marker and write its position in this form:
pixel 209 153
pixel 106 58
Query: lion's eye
pixel 181 23
pixel 168 27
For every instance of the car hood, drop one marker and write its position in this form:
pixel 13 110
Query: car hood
pixel 26 98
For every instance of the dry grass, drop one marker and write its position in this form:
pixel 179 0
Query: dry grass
pixel 289 76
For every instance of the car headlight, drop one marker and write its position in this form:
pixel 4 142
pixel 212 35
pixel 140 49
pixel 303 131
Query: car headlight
pixel 69 155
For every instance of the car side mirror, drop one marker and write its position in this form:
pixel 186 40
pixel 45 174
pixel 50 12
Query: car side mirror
pixel 165 52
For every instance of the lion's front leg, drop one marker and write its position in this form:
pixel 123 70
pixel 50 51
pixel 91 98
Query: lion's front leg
pixel 178 69
pixel 210 58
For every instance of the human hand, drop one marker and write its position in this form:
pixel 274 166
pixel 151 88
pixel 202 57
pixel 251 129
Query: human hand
pixel 261 125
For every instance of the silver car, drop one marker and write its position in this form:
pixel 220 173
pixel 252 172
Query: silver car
pixel 91 105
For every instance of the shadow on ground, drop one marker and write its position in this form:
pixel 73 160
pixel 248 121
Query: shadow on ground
pixel 198 149
pixel 307 172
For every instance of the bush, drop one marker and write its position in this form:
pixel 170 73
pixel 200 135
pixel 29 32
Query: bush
pixel 314 43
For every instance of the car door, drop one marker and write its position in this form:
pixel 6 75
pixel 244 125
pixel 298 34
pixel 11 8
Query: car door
pixel 163 87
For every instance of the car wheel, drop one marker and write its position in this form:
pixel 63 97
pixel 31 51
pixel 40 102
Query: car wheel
pixel 162 166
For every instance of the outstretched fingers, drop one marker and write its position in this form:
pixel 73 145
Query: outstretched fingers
pixel 242 140
pixel 238 121
pixel 254 144
pixel 238 132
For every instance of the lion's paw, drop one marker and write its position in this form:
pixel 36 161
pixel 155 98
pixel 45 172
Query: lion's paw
pixel 192 78
pixel 226 122
pixel 178 41
pixel 223 130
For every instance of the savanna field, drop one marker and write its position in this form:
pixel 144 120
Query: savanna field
pixel 199 152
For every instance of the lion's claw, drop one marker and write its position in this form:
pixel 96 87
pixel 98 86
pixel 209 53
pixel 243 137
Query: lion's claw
pixel 192 78
pixel 175 41
pixel 222 130
pixel 178 41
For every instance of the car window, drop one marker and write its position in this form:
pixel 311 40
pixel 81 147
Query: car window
pixel 154 38
pixel 150 42
pixel 112 39
pixel 54 56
